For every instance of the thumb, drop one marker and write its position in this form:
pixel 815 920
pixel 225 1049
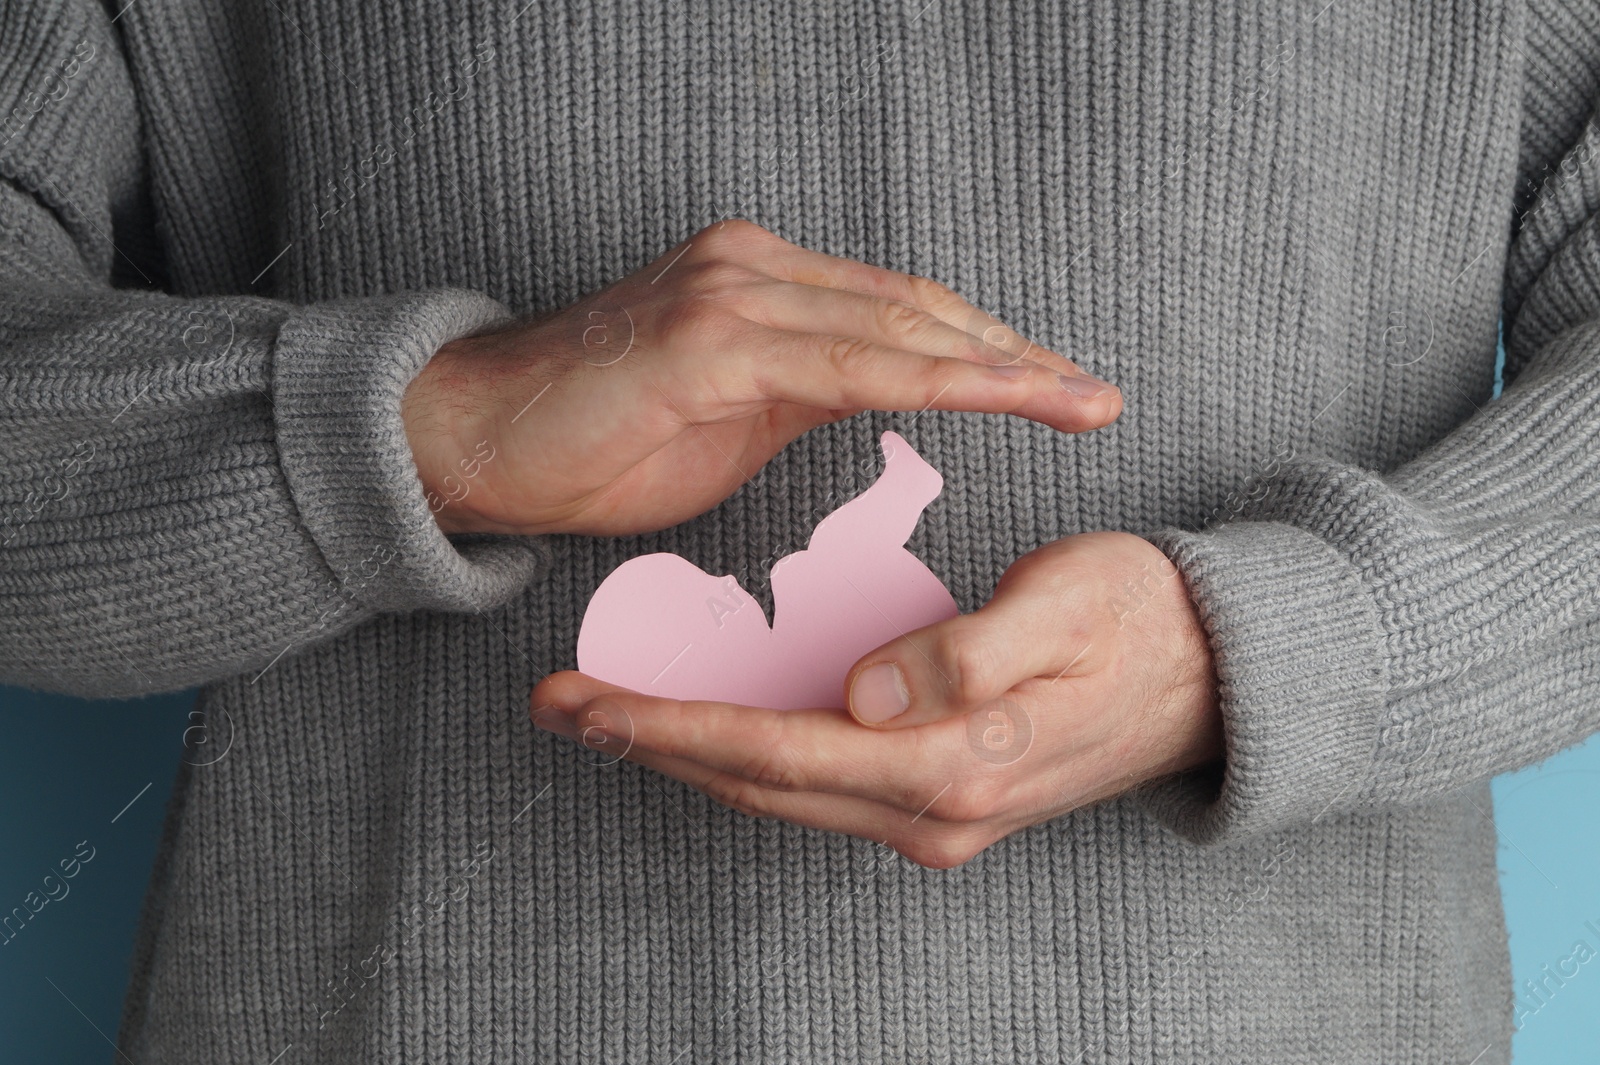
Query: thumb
pixel 952 667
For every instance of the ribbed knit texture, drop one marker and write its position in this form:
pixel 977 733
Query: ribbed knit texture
pixel 231 233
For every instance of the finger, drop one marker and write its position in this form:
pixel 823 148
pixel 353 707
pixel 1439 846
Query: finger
pixel 892 323
pixel 761 249
pixel 568 689
pixel 791 262
pixel 1031 628
pixel 833 372
pixel 922 836
pixel 781 750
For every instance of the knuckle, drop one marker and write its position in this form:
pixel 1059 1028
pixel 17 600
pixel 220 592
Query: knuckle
pixel 717 275
pixel 691 315
pixel 845 354
pixel 900 319
pixel 737 794
pixel 969 805
pixel 930 293
pixel 941 852
pixel 969 664
pixel 735 234
pixel 774 770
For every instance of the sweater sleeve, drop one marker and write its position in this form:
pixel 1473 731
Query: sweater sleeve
pixel 1386 638
pixel 190 488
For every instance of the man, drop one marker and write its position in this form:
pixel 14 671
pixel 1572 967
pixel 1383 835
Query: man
pixel 347 350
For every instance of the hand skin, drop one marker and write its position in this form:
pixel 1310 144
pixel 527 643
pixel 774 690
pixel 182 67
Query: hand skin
pixel 1088 673
pixel 648 403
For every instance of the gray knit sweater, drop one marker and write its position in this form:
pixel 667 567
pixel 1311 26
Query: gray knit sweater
pixel 230 234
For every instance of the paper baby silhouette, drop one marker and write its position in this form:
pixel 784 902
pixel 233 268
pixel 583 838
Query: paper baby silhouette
pixel 661 625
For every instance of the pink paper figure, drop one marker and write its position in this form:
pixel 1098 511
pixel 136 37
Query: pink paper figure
pixel 661 625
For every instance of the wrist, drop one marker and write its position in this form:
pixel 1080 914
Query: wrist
pixel 1195 689
pixel 1174 636
pixel 443 410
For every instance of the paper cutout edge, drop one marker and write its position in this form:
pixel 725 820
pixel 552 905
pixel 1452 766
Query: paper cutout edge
pixel 661 625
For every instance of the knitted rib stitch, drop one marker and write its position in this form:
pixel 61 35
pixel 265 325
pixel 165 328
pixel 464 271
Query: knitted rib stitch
pixel 230 234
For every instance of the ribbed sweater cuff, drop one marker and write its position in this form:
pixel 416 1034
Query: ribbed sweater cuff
pixel 1295 636
pixel 340 370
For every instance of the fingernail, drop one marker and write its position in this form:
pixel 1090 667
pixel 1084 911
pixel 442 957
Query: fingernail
pixel 1084 387
pixel 879 693
pixel 564 701
pixel 1014 369
pixel 551 719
